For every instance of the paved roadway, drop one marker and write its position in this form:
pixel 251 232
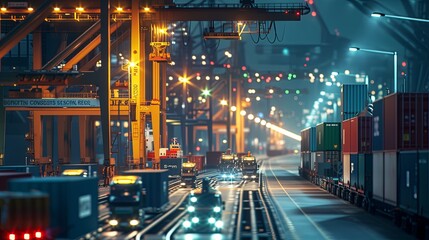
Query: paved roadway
pixel 309 212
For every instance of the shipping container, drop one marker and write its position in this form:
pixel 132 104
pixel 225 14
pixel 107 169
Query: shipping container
pixel 313 161
pixel 378 175
pixel 390 177
pixel 357 135
pixel 305 161
pixel 346 168
pixel 155 185
pixel 403 112
pixel 34 170
pixel 328 135
pixel 408 181
pixel 73 203
pixel 423 176
pixel 354 98
pixel 378 126
pixel 354 170
pixel 305 140
pixel 423 126
pixel 6 176
pixel 328 161
pixel 199 160
pixel 92 169
pixel 365 172
pixel 173 165
pixel 24 212
pixel 149 164
pixel 213 159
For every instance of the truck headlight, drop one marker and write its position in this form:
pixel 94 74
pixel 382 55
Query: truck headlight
pixel 194 199
pixel 191 209
pixel 253 176
pixel 212 220
pixel 219 224
pixel 182 184
pixel 195 220
pixel 134 222
pixel 216 209
pixel 186 224
pixel 245 176
pixel 223 175
pixel 113 222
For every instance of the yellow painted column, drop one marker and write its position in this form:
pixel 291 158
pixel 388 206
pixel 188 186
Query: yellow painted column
pixel 135 73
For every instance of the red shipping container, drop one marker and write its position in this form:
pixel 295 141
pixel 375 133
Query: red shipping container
pixel 357 135
pixel 6 176
pixel 200 161
pixel 402 121
pixel 423 126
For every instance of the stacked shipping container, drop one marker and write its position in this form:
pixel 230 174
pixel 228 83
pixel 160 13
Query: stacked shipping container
pixel 328 147
pixel 353 98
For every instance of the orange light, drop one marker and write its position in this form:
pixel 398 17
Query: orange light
pixel 30 9
pixel 26 236
pixel 119 9
pixel 38 234
pixel 3 9
pixel 57 9
pixel 80 9
pixel 146 9
pixel 12 236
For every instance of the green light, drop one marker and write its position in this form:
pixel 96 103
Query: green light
pixel 297 91
pixel 245 75
pixel 294 76
pixel 287 91
pixel 206 92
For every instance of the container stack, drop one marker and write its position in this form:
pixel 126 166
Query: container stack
pixel 328 149
pixel 354 99
pixel 308 151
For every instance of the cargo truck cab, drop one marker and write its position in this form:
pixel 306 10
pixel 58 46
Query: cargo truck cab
pixel 126 202
pixel 205 207
pixel 249 167
pixel 189 175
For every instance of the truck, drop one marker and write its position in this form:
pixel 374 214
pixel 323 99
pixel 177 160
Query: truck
pixel 228 165
pixel 205 207
pixel 126 202
pixel 24 215
pixel 249 167
pixel 189 174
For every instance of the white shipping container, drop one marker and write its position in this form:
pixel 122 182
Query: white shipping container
pixel 313 161
pixel 390 177
pixel 378 175
pixel 346 168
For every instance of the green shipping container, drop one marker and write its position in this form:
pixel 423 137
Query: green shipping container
pixel 328 136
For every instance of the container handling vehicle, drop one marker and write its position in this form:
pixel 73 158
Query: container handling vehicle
pixel 249 167
pixel 228 165
pixel 189 175
pixel 205 207
pixel 126 202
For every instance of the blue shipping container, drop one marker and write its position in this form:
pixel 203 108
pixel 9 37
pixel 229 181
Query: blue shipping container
pixel 423 192
pixel 73 203
pixel 365 172
pixel 155 184
pixel 378 126
pixel 34 170
pixel 353 99
pixel 407 192
pixel 173 165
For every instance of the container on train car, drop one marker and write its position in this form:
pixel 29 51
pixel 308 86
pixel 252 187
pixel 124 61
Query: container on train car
pixel 365 172
pixel 6 176
pixel 378 175
pixel 155 185
pixel 327 163
pixel 213 159
pixel 423 176
pixel 308 142
pixel 173 165
pixel 357 135
pixel 405 116
pixel 423 126
pixel 408 181
pixel 346 168
pixel 328 136
pixel 305 161
pixel 354 98
pixel 91 169
pixel 313 161
pixel 34 170
pixel 354 170
pixel 73 203
pixel 390 177
pixel 378 126
pixel 24 213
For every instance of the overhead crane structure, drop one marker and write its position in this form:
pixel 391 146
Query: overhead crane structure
pixel 143 22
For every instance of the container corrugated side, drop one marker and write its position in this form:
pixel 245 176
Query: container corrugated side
pixel 173 165
pixel 353 99
pixel 305 159
pixel 313 142
pixel 390 177
pixel 155 183
pixel 378 175
pixel 213 159
pixel 24 211
pixel 6 176
pixel 328 135
pixel 346 136
pixel 199 161
pixel 313 161
pixel 73 203
pixel 365 172
pixel 305 140
pixel 423 178
pixel 407 171
pixel 378 126
pixel 364 133
pixel 354 170
pixel 346 168
pixel 423 125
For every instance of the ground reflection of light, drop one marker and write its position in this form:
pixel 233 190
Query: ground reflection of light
pixel 189 236
pixel 111 234
pixel 216 236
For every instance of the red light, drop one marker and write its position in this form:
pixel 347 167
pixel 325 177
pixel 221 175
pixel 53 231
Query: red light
pixel 403 73
pixel 307 59
pixel 198 74
pixel 198 148
pixel 310 2
pixel 305 64
pixel 404 64
pixel 38 234
pixel 249 80
pixel 12 236
pixel 26 236
pixel 280 74
pixel 234 89
pixel 211 63
pixel 298 13
pixel 243 68
pixel 313 13
pixel 228 66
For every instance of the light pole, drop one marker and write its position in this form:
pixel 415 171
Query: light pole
pixel 379 14
pixel 395 62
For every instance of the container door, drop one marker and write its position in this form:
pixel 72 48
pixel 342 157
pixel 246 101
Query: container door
pixel 423 192
pixel 346 168
pixel 354 170
pixel 408 181
pixel 390 178
pixel 378 175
